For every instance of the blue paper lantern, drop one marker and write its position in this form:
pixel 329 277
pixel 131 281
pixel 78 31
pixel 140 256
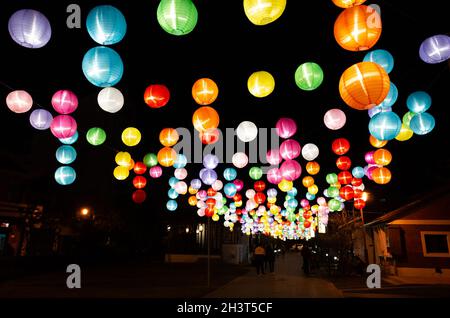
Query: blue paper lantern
pixel 310 196
pixel 230 174
pixel 418 102
pixel 172 205
pixel 422 124
pixel 208 176
pixel 65 175
pixel 196 184
pixel 180 161
pixel 66 154
pixel 385 125
pixel 69 140
pixel 173 181
pixel 435 49
pixel 358 172
pixel 230 189
pixel 173 194
pixel 378 109
pixel 106 25
pixel 391 97
pixel 293 192
pixel 29 28
pixel 102 66
pixel 381 57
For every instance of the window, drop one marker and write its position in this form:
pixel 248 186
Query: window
pixel 436 244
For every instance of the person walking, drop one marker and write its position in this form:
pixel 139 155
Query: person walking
pixel 259 255
pixel 270 258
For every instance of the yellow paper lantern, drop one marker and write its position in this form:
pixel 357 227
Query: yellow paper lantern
pixel 192 200
pixel 405 133
pixel 123 158
pixel 285 185
pixel 262 12
pixel 307 181
pixel 121 173
pixel 238 204
pixel 215 217
pixel 131 136
pixel 192 190
pixel 313 189
pixel 272 200
pixel 261 84
pixel 348 3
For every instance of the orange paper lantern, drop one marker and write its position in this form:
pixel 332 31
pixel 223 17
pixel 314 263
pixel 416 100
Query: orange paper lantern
pixel 167 156
pixel 205 91
pixel 308 181
pixel 381 175
pixel 348 3
pixel 168 137
pixel 205 118
pixel 312 168
pixel 377 143
pixel 382 157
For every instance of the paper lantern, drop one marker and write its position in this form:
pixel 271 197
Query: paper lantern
pixel 168 137
pixel 155 172
pixel 131 136
pixel 348 3
pixel 390 99
pixel 274 176
pixel 240 160
pixel 110 99
pixel 382 157
pixel 378 109
pixel 230 189
pixel 334 119
pixel 422 124
pixel 69 140
pixel 192 200
pixel 139 168
pixel 255 173
pixel 217 185
pixel 173 181
pixel 435 49
pixel 364 85
pixel 239 184
pixel 340 146
pixel 312 167
pixel 172 205
pixel 356 182
pixel 343 163
pixel 210 161
pixel 65 175
pixel 63 126
pixel 262 12
pixel 123 159
pixel 66 154
pixel 247 131
pixel 344 177
pixel 308 76
pixel 210 136
pixel 106 25
pixel 405 133
pixel 260 186
pixel 407 118
pixel 167 157
pixel 150 160
pixel 208 176
pixel 177 17
pixel 285 185
pixel 368 157
pixel 310 152
pixel 156 95
pixel 273 157
pixel 377 143
pixel 180 173
pixel 181 187
pixel 358 172
pixel 381 175
pixel 205 91
pixel 96 136
pixel 102 66
pixel 358 28
pixel 286 127
pixel 359 204
pixel 121 173
pixel 290 149
pixel 29 28
pixel 65 102
pixel 41 119
pixel 418 102
pixel 385 126
pixel 346 193
pixel 19 101
pixel 180 161
pixel 139 196
pixel 261 84
pixel 290 170
pixel 139 182
pixel 205 118
pixel 381 57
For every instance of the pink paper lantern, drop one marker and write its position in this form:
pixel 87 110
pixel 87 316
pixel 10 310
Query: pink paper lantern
pixel 155 172
pixel 334 119
pixel 286 127
pixel 291 170
pixel 273 157
pixel 369 157
pixel 290 149
pixel 180 173
pixel 65 102
pixel 239 184
pixel 19 101
pixel 63 126
pixel 274 176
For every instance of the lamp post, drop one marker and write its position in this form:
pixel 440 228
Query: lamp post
pixel 365 196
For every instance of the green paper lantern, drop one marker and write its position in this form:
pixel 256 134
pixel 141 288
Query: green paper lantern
pixel 255 173
pixel 407 118
pixel 332 178
pixel 333 192
pixel 334 205
pixel 96 136
pixel 309 76
pixel 150 160
pixel 177 17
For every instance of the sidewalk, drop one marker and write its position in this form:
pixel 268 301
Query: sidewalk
pixel 414 280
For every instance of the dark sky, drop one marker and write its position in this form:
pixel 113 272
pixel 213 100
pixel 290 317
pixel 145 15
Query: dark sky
pixel 226 47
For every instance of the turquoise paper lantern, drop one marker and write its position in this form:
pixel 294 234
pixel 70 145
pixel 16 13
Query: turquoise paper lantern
pixel 66 154
pixel 391 97
pixel 418 102
pixel 102 66
pixel 106 25
pixel 177 17
pixel 422 124
pixel 180 161
pixel 358 172
pixel 230 174
pixel 69 140
pixel 65 175
pixel 381 57
pixel 172 205
pixel 385 126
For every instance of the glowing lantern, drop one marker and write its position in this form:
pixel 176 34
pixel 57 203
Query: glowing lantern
pixel 333 192
pixel 334 119
pixel 29 28
pixel 291 170
pixel 344 177
pixel 65 102
pixel 343 163
pixel 180 161
pixel 273 157
pixel 285 185
pixel 131 136
pixel 180 173
pixel 205 118
pixel 210 161
pixel 290 149
pixel 390 99
pixel 381 57
pixel 139 182
pixel 139 196
pixel 192 200
pixel 110 99
pixel 130 165
pixel 208 176
pixel 181 187
pixel 240 160
pixel 247 131
pixel 106 25
pixel 139 168
pixel 63 126
pixel 123 159
pixel 172 205
pixel 205 91
pixel 41 119
pixel 155 172
pixel 310 152
pixel 418 102
pixel 65 175
pixel 358 28
pixel 381 175
pixel 435 49
pixel 308 76
pixel 385 126
pixel 96 136
pixel 274 176
pixel 407 118
pixel 19 101
pixel 262 12
pixel 382 157
pixel 358 172
pixel 312 168
pixel 230 174
pixel 348 3
pixel 66 154
pixel 359 204
pixel 167 157
pixel 255 173
pixel 261 84
pixel 405 133
pixel 121 173
pixel 307 181
pixel 102 66
pixel 422 123
pixel 377 143
pixel 168 137
pixel 239 184
pixel 156 96
pixel 260 186
pixel 340 146
pixel 69 140
pixel 313 189
pixel 286 127
pixel 150 160
pixel 364 85
pixel 177 17
pixel 368 157
pixel 210 136
pixel 260 198
pixel 356 182
pixel 346 192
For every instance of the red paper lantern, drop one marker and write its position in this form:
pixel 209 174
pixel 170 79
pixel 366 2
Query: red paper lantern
pixel 210 136
pixel 359 204
pixel 237 197
pixel 307 215
pixel 260 198
pixel 346 193
pixel 156 96
pixel 345 177
pixel 343 163
pixel 139 182
pixel 139 196
pixel 139 168
pixel 260 186
pixel 357 193
pixel 356 182
pixel 307 224
pixel 209 212
pixel 211 203
pixel 211 192
pixel 340 146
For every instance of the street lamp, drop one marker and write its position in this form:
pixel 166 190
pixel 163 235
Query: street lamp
pixel 85 211
pixel 365 196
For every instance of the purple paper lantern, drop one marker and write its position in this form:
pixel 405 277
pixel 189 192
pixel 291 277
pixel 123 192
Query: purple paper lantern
pixel 41 119
pixel 435 49
pixel 29 28
pixel 65 102
pixel 208 176
pixel 210 161
pixel 63 126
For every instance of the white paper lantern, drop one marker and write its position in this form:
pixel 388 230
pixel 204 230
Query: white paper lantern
pixel 110 99
pixel 310 152
pixel 240 160
pixel 334 119
pixel 247 131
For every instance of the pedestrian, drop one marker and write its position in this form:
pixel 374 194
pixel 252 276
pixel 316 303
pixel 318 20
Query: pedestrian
pixel 270 258
pixel 306 255
pixel 259 255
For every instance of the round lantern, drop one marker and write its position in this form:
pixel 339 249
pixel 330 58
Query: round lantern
pixel 167 157
pixel 381 175
pixel 66 154
pixel 273 157
pixel 172 205
pixel 239 184
pixel 290 149
pixel 368 157
pixel 308 76
pixel 358 172
pixel 334 204
pixel 19 101
pixel 290 170
pixel 247 131
pixel 65 175
pixel 418 102
pixel 69 140
pixel 435 49
pixel 346 192
pixel 230 189
pixel 348 3
pixel 205 91
pixel 139 182
pixel 106 25
pixel 177 17
pixel 131 136
pixel 155 172
pixel 345 177
pixel 156 95
pixel 181 187
pixel 364 85
pixel 382 157
pixel 385 126
pixel 41 119
pixel 343 163
pixel 96 136
pixel 208 176
pixel 358 28
pixel 209 136
pixel 405 133
pixel 121 173
pixel 310 152
pixel 139 196
pixel 260 186
pixel 168 137
pixel 229 174
pixel 262 12
pixel 210 161
pixel 205 118
pixel 102 66
pixel 312 168
pixel 255 173
pixel 377 143
pixel 286 127
pixel 63 126
pixel 359 204
pixel 180 173
pixel 274 176
pixel 240 160
pixel 340 146
pixel 422 124
pixel 180 161
pixel 261 84
pixel 150 160
pixel 192 200
pixel 110 99
pixel 29 28
pixel 285 185
pixel 217 185
pixel 381 57
pixel 390 99
pixel 407 118
pixel 65 102
pixel 334 119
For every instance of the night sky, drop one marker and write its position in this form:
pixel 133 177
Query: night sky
pixel 227 48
